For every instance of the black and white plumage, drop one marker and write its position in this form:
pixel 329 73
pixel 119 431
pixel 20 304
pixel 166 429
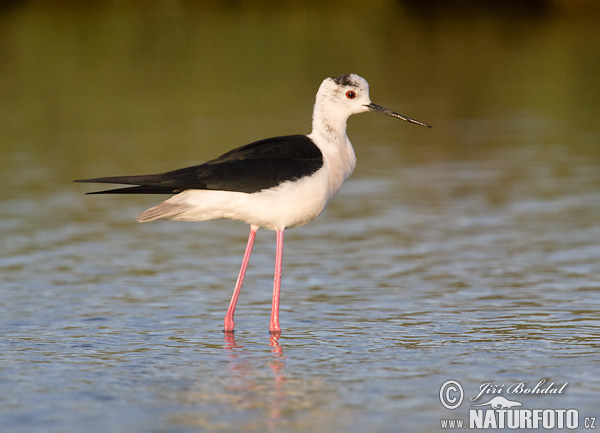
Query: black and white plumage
pixel 276 183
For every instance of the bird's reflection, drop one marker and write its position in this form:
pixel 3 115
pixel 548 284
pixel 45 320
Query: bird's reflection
pixel 235 350
pixel 230 343
pixel 277 362
pixel 243 371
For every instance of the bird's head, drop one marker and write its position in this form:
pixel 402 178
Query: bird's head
pixel 340 97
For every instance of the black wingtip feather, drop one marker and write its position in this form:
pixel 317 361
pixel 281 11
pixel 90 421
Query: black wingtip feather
pixel 137 190
pixel 129 180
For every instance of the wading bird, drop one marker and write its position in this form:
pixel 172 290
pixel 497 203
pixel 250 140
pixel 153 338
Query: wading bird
pixel 276 183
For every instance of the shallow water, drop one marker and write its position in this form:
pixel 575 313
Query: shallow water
pixel 467 252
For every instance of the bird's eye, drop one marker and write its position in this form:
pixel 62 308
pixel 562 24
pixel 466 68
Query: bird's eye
pixel 350 94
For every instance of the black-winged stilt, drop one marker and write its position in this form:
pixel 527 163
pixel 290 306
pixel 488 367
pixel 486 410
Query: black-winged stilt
pixel 276 183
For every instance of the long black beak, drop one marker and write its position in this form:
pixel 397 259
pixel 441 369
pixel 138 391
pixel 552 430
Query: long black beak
pixel 380 109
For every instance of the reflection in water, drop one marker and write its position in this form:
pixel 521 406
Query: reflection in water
pixel 277 363
pixel 277 351
pixel 242 374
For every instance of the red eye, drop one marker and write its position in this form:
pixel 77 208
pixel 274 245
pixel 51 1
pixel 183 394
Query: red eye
pixel 350 94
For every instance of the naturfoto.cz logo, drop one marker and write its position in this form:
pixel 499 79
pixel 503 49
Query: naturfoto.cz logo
pixel 490 410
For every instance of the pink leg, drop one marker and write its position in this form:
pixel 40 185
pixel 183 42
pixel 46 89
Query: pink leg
pixel 229 324
pixel 274 326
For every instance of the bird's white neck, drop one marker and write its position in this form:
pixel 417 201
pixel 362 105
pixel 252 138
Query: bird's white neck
pixel 328 126
pixel 329 134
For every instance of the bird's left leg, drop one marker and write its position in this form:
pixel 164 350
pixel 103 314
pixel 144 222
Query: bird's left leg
pixel 274 325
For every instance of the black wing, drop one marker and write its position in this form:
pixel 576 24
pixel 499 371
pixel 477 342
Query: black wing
pixel 251 168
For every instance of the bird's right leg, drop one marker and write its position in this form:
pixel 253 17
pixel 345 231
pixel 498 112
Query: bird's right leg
pixel 229 324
